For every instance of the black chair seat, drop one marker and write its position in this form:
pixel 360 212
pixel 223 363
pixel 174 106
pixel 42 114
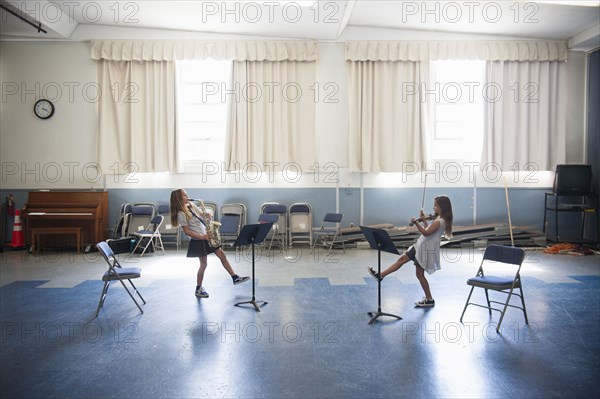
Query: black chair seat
pixel 492 282
pixel 125 272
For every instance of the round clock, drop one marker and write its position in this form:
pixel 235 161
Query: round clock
pixel 43 109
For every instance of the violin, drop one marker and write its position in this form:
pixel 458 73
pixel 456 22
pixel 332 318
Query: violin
pixel 424 217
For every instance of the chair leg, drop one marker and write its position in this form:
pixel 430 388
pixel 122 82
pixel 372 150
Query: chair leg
pixel 333 241
pixel 137 292
pixel 314 244
pixel 102 297
pixel 132 297
pixel 487 297
pixel 136 246
pixel 504 310
pixel 146 247
pixel 523 303
pixel 466 304
pixel 161 245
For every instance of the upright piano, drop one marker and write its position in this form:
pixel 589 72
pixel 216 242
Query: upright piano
pixel 85 209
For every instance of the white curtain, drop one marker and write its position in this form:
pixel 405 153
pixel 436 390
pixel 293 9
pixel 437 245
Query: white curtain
pixel 170 50
pixel 272 122
pixel 425 50
pixel 387 115
pixel 525 114
pixel 136 116
pixel 140 132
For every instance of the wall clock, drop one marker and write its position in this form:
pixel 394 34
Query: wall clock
pixel 43 109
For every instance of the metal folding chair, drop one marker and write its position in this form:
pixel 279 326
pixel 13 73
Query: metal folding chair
pixel 117 272
pixel 301 226
pixel 508 285
pixel 233 218
pixel 167 231
pixel 280 230
pixel 150 236
pixel 274 232
pixel 329 232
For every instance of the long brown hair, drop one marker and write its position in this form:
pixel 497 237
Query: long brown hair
pixel 445 213
pixel 177 204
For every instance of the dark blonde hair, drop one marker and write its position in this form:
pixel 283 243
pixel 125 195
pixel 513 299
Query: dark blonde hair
pixel 178 204
pixel 445 213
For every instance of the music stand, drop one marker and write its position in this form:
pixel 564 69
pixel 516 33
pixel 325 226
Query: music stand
pixel 253 234
pixel 380 240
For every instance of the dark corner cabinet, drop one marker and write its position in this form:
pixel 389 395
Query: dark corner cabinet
pixel 571 209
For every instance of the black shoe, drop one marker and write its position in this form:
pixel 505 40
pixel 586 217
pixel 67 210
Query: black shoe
pixel 425 303
pixel 239 280
pixel 374 274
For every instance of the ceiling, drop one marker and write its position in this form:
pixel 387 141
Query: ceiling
pixel 326 20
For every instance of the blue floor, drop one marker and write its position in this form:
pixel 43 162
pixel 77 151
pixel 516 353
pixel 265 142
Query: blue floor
pixel 312 340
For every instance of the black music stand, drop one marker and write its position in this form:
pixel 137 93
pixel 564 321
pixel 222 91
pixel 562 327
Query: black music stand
pixel 380 240
pixel 253 234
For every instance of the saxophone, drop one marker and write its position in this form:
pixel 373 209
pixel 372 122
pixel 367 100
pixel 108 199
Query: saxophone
pixel 212 228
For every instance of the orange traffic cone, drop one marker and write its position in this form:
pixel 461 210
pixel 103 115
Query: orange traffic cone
pixel 18 240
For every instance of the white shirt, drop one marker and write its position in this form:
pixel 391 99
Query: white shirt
pixel 427 249
pixel 194 223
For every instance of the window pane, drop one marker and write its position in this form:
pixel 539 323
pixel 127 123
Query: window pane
pixel 202 109
pixel 457 117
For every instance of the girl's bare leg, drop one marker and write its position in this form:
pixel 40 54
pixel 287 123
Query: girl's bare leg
pixel 395 266
pixel 424 282
pixel 224 261
pixel 200 275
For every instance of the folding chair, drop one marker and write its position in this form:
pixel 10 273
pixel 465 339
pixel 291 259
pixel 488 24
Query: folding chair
pixel 166 229
pixel 141 214
pixel 235 209
pixel 281 229
pixel 230 228
pixel 233 218
pixel 117 272
pixel 121 226
pixel 502 256
pixel 150 236
pixel 329 230
pixel 273 234
pixel 301 226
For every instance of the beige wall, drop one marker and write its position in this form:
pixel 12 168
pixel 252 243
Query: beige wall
pixel 60 152
pixel 57 148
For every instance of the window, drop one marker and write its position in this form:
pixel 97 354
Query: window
pixel 203 92
pixel 456 105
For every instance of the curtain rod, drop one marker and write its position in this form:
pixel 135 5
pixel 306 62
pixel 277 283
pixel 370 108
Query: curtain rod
pixel 38 27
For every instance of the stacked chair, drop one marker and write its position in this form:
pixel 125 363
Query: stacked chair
pixel 278 233
pixel 301 227
pixel 169 234
pixel 233 218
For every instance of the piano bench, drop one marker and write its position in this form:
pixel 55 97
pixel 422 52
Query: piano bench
pixel 38 231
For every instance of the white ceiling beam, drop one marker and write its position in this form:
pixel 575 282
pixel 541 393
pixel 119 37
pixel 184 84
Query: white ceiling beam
pixel 587 40
pixel 345 18
pixel 45 12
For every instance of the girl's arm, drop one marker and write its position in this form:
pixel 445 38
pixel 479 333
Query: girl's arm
pixel 428 230
pixel 192 234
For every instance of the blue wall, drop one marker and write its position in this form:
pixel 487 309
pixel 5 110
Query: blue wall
pixel 382 205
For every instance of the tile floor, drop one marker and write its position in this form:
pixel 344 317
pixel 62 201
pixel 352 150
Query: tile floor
pixel 312 339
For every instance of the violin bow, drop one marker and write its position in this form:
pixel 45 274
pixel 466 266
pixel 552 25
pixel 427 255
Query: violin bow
pixel 424 189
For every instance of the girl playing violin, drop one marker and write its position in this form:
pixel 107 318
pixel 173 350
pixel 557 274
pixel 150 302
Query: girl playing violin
pixel 425 253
